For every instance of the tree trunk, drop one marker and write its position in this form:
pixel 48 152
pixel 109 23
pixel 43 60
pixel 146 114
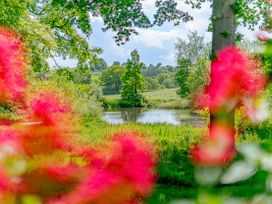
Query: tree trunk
pixel 223 19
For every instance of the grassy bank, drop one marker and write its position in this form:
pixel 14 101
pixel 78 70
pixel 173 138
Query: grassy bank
pixel 175 171
pixel 171 142
pixel 165 98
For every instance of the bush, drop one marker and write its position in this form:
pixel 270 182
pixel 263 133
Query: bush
pixel 110 103
pixel 85 97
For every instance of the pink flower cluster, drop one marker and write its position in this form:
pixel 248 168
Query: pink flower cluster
pixel 122 176
pixel 12 66
pixel 236 79
pixel 121 172
pixel 235 76
pixel 218 147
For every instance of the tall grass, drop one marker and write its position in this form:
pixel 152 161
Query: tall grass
pixel 175 171
pixel 171 142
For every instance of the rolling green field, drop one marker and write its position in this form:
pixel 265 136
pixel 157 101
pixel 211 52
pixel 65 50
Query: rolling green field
pixel 165 98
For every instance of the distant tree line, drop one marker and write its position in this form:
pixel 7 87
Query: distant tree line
pixel 189 76
pixel 155 77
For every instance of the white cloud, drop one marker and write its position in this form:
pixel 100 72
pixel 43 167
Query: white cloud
pixel 156 44
pixel 149 6
pixel 161 39
pixel 59 61
pixel 96 18
pixel 249 34
pixel 200 24
pixel 119 51
pixel 155 38
pixel 171 58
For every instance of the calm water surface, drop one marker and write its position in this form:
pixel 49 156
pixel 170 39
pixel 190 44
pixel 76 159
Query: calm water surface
pixel 174 117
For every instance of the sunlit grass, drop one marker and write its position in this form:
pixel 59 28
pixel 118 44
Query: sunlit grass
pixel 175 171
pixel 164 98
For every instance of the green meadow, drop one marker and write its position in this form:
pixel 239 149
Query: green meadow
pixel 163 98
pixel 176 174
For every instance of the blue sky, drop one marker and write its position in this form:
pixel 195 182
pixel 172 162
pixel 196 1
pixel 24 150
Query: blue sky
pixel 156 44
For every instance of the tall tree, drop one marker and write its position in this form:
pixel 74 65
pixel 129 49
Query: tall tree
pixel 223 24
pixel 182 76
pixel 191 49
pixel 111 79
pixel 223 35
pixel 133 82
pixel 226 16
pixel 99 65
pixel 189 54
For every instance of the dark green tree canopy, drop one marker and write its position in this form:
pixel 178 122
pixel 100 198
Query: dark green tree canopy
pixel 111 79
pixel 99 65
pixel 132 82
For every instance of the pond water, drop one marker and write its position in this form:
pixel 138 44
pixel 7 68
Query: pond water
pixel 174 117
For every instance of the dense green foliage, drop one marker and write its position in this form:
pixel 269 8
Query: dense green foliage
pixel 111 79
pixel 51 29
pixel 193 62
pixel 78 85
pixel 182 77
pixel 99 65
pixel 267 60
pixel 247 12
pixel 159 76
pixel 155 77
pixel 77 75
pixel 132 82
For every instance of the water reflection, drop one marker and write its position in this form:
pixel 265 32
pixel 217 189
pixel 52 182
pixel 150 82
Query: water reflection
pixel 131 114
pixel 174 117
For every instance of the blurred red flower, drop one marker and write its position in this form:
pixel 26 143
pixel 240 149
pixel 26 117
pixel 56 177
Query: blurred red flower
pixel 120 176
pixel 234 75
pixel 12 66
pixel 218 147
pixel 48 107
pixel 51 124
